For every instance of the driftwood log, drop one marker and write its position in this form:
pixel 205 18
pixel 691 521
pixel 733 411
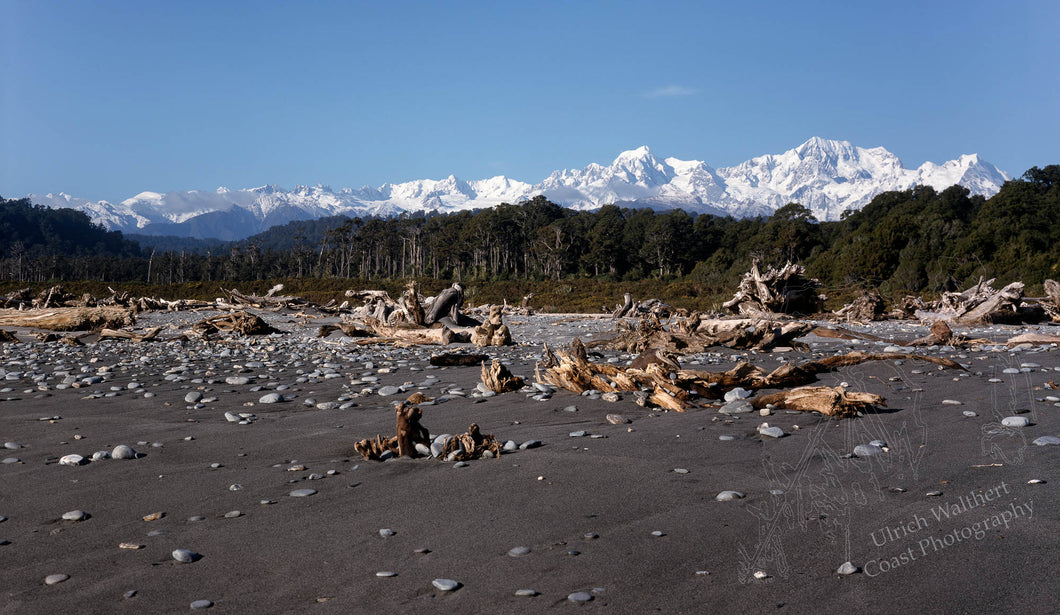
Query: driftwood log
pixel 457 359
pixel 240 323
pixel 572 371
pixel 7 337
pixel 693 334
pixel 867 307
pixel 767 294
pixel 349 329
pixel 835 402
pixel 471 445
pixel 441 335
pixel 146 336
pixel 409 433
pixel 69 319
pixel 984 304
pixel 498 379
pixel 1051 302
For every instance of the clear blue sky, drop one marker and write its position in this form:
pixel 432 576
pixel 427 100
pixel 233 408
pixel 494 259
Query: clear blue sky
pixel 103 100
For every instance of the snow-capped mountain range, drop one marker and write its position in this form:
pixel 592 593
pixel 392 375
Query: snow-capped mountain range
pixel 828 177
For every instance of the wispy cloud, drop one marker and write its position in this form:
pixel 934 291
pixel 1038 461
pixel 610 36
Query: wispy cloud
pixel 671 91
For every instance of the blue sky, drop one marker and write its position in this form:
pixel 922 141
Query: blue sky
pixel 103 100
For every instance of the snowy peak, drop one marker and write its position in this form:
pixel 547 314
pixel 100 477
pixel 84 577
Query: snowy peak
pixel 827 176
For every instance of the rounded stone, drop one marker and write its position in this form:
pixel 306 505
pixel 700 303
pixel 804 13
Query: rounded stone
pixel 72 460
pixel 388 391
pixel 867 450
pixel 193 397
pixel 75 515
pixel 1015 421
pixel 270 398
pixel 186 556
pixel 1046 441
pixel 728 496
pixel 518 551
pixel 385 574
pixel 772 432
pixel 525 593
pixel 580 597
pixel 55 579
pixel 530 444
pixel 386 532
pixel 123 451
pixel 847 568
pixel 446 585
pixel 303 493
pixel 201 604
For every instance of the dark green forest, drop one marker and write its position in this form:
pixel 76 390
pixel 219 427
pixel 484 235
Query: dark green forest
pixel 914 241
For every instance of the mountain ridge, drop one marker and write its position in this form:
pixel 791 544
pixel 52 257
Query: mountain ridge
pixel 827 176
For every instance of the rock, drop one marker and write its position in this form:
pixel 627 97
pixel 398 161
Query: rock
pixel 867 450
pixel 75 516
pixel 611 397
pixel 55 579
pixel 193 397
pixel 969 413
pixel 201 604
pixel 530 444
pixel 518 551
pixel 270 398
pixel 947 402
pixel 581 433
pixel 617 419
pixel 847 568
pixel 387 391
pixel 580 597
pixel 737 394
pixel 72 460
pixel 736 407
pixel 385 574
pixel 1015 421
pixel 186 556
pixel 772 432
pixel 386 532
pixel 303 493
pixel 1046 441
pixel 446 585
pixel 728 496
pixel 525 593
pixel 123 451
pixel 509 446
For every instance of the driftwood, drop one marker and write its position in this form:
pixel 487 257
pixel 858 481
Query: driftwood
pixel 572 371
pixel 493 332
pixel 240 323
pixel 498 379
pixel 693 335
pixel 16 300
pixel 940 335
pixel 1051 302
pixel 146 336
pixel 411 335
pixel 867 307
pixel 835 402
pixel 470 445
pixel 446 305
pixel 8 337
pixel 68 319
pixel 410 300
pixel 984 304
pixel 348 328
pixel 457 359
pixel 654 307
pixel 1033 338
pixel 776 291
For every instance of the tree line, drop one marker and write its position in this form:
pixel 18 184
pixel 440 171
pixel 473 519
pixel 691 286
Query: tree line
pixel 918 240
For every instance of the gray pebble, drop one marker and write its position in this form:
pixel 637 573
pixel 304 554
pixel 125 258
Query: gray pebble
pixel 580 597
pixel 518 551
pixel 530 444
pixel 1015 421
pixel 445 585
pixel 386 574
pixel 525 593
pixel 389 390
pixel 201 604
pixel 55 579
pixel 1046 441
pixel 772 432
pixel 123 451
pixel 303 493
pixel 728 496
pixel 736 407
pixel 680 470
pixel 75 515
pixel 969 413
pixel 193 397
pixel 270 398
pixel 386 532
pixel 581 433
pixel 186 556
pixel 847 568
pixel 867 450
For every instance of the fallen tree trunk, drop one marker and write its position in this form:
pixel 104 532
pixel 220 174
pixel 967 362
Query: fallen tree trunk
pixel 457 359
pixel 68 319
pixel 868 307
pixel 435 335
pixel 8 337
pixel 835 402
pixel 694 335
pixel 146 336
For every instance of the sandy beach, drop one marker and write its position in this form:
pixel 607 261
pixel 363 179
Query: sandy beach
pixel 955 512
